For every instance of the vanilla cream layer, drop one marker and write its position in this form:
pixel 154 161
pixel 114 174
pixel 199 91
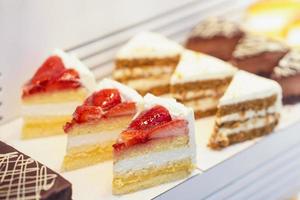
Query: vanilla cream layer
pixel 196 93
pixel 152 160
pixel 148 83
pixel 249 125
pixel 142 71
pixel 202 104
pixel 57 109
pixel 91 139
pixel 248 114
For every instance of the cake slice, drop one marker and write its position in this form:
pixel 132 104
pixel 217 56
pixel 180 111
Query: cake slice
pixel 216 37
pixel 25 178
pixel 287 74
pixel 199 81
pixel 258 54
pixel 157 147
pixel 249 108
pixel 97 123
pixel 52 94
pixel 146 63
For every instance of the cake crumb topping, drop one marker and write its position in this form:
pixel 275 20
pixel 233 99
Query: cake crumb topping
pixel 216 27
pixel 252 45
pixel 289 65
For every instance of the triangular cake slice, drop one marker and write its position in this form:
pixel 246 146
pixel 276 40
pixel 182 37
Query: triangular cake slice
pixel 51 95
pixel 249 108
pixel 157 147
pixel 199 81
pixel 146 63
pixel 97 123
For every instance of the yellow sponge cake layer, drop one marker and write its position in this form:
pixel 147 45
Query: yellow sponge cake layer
pixel 145 178
pixel 106 125
pixel 43 126
pixel 56 97
pixel 78 157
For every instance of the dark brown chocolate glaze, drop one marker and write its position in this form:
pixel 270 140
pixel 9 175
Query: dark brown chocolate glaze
pixel 261 64
pixel 216 37
pixel 58 187
pixel 217 46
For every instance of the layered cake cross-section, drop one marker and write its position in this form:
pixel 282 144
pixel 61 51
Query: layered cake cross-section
pixel 216 37
pixel 22 177
pixel 250 108
pixel 287 74
pixel 258 54
pixel 199 81
pixel 157 147
pixel 146 63
pixel 97 123
pixel 51 95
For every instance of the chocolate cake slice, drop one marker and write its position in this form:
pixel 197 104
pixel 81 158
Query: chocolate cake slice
pixel 21 177
pixel 258 54
pixel 287 74
pixel 215 37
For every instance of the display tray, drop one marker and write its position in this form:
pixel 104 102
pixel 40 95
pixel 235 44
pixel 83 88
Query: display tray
pixel 95 182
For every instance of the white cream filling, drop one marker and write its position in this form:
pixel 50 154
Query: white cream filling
pixel 248 114
pixel 142 71
pixel 202 104
pixel 248 125
pixel 152 160
pixel 92 138
pixel 148 83
pixel 55 109
pixel 195 93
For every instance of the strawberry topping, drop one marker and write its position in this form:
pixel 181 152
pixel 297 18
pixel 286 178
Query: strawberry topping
pixel 101 104
pixel 151 124
pixel 106 99
pixel 152 117
pixel 52 76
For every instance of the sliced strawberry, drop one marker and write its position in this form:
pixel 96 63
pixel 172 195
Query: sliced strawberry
pixel 52 76
pixel 130 138
pixel 106 99
pixel 150 118
pixel 126 108
pixel 50 69
pixel 176 127
pixel 87 113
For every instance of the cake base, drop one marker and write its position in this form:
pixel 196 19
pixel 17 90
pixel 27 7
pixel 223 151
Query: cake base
pixel 145 178
pixel 83 156
pixel 43 127
pixel 218 142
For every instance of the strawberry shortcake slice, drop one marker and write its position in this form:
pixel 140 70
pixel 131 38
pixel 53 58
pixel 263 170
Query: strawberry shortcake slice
pixel 157 147
pixel 97 123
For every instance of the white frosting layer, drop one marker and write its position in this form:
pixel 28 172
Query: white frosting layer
pixel 248 125
pixel 195 66
pixel 149 45
pixel 127 93
pixel 57 109
pixel 246 86
pixel 177 110
pixel 71 61
pixel 203 103
pixel 148 83
pixel 195 93
pixel 142 71
pixel 152 160
pixel 92 138
pixel 247 115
